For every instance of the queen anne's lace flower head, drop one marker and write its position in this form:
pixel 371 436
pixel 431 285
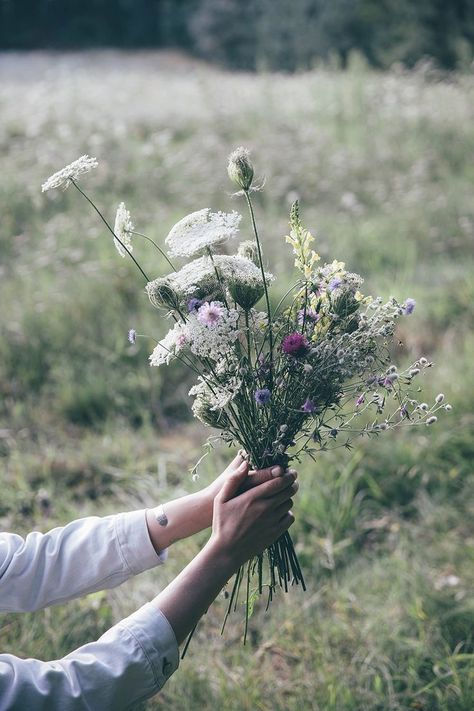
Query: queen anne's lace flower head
pixel 201 229
pixel 71 172
pixel 215 341
pixel 243 279
pixel 169 346
pixel 123 228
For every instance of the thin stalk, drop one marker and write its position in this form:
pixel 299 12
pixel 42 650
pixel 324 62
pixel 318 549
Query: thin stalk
pixel 295 286
pixel 267 299
pixel 161 251
pixel 221 284
pixel 109 227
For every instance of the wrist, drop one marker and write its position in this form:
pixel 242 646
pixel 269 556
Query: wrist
pixel 205 499
pixel 222 555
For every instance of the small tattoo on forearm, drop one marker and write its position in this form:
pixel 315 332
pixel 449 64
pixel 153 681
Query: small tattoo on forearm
pixel 160 516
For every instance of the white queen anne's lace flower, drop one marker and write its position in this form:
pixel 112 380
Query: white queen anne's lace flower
pixel 169 346
pixel 201 229
pixel 200 274
pixel 71 172
pixel 123 228
pixel 214 340
pixel 187 279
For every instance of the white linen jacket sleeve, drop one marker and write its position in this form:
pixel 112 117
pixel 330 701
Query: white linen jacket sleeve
pixel 130 662
pixel 87 555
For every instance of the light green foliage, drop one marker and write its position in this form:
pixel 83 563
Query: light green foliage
pixel 383 168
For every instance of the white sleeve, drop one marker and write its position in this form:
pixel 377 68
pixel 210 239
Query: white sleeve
pixel 87 555
pixel 128 664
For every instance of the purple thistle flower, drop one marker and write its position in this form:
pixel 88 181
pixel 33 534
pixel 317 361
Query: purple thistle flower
pixel 311 316
pixel 262 397
pixel 132 336
pixel 360 400
pixel 409 306
pixel 194 304
pixel 294 344
pixel 308 406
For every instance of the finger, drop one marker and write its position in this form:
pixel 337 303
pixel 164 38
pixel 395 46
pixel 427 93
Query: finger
pixel 236 462
pixel 260 476
pixel 278 500
pixel 283 508
pixel 235 480
pixel 273 487
pixel 287 520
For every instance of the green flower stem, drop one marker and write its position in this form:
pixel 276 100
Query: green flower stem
pixel 161 251
pixel 109 227
pixel 267 299
pixel 247 331
pixel 221 284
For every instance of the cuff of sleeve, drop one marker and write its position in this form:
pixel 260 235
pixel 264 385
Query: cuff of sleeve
pixel 156 638
pixel 135 543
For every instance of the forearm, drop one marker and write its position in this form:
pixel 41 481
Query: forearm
pixel 183 517
pixel 86 555
pixel 128 664
pixel 187 597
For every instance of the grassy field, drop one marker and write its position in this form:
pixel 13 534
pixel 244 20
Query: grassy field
pixel 383 166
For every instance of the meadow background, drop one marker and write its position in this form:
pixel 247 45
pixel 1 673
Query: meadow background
pixel 382 163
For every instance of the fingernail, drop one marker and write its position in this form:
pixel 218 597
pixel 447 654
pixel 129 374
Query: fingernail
pixel 276 471
pixel 292 472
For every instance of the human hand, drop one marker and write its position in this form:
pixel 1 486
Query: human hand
pixel 254 478
pixel 246 523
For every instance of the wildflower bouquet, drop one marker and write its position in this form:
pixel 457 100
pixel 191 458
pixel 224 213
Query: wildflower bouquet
pixel 299 376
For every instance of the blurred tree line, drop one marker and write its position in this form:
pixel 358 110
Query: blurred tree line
pixel 268 34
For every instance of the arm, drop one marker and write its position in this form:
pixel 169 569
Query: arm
pixel 99 553
pixel 243 526
pixel 132 661
pixel 128 664
pixel 86 555
pixel 192 513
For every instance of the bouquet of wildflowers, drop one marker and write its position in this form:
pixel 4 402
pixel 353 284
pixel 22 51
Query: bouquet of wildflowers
pixel 296 377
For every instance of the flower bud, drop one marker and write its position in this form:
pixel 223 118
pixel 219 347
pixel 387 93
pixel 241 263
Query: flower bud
pixel 439 398
pixel 162 294
pixel 240 169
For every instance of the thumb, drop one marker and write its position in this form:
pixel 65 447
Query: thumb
pixel 235 480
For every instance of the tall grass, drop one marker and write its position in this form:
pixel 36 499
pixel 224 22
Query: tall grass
pixel 382 164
